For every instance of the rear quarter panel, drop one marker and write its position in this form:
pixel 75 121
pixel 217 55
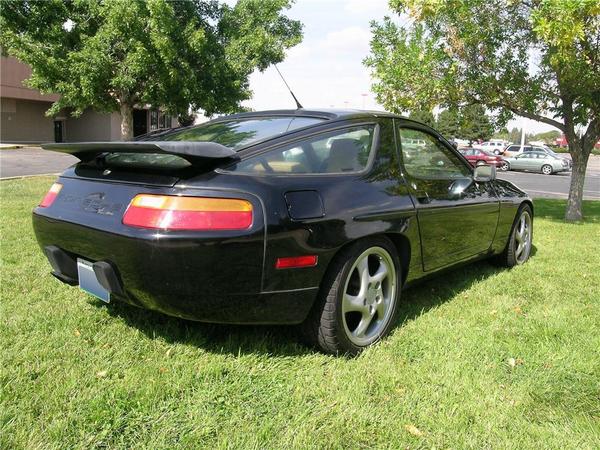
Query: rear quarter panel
pixel 355 206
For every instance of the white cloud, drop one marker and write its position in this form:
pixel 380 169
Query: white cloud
pixel 366 6
pixel 349 40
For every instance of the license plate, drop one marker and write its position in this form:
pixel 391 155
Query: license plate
pixel 88 281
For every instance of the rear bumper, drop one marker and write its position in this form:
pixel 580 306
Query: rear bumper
pixel 209 280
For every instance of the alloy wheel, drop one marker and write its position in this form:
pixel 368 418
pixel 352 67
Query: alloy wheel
pixel 523 234
pixel 369 296
pixel 546 170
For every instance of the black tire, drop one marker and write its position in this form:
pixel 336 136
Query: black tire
pixel 481 163
pixel 504 166
pixel 508 258
pixel 325 327
pixel 547 169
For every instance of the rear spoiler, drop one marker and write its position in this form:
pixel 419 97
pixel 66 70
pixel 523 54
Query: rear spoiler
pixel 196 153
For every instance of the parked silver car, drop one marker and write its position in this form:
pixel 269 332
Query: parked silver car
pixel 535 162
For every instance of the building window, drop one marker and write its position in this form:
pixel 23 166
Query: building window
pixel 153 120
pixel 164 121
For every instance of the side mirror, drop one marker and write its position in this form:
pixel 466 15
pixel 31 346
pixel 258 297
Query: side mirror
pixel 484 173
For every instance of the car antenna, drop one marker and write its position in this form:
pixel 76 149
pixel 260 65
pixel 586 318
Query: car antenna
pixel 298 105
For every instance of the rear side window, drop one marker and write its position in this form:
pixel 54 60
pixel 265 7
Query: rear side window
pixel 240 133
pixel 341 151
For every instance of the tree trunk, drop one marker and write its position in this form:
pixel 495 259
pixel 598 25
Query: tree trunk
pixel 126 122
pixel 580 157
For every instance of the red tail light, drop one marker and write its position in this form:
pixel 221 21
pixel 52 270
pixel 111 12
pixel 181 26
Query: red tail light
pixel 168 212
pixel 293 262
pixel 51 195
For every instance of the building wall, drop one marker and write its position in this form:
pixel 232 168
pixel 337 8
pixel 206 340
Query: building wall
pixel 13 73
pixel 115 127
pixel 25 121
pixel 90 126
pixel 23 113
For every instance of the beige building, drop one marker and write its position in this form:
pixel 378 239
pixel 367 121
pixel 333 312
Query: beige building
pixel 24 120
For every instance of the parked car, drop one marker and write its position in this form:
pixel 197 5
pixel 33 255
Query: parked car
pixel 279 217
pixel 548 151
pixel 516 149
pixel 479 157
pixel 535 162
pixel 495 146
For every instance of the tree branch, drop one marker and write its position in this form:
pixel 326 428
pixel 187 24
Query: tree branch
pixel 538 117
pixel 591 135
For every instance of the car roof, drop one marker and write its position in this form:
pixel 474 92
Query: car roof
pixel 324 113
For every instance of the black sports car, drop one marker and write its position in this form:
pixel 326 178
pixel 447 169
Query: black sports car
pixel 303 217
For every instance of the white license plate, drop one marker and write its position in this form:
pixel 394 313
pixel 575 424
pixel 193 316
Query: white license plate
pixel 88 281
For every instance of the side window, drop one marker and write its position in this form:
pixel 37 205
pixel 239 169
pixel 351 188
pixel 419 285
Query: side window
pixel 432 160
pixel 341 151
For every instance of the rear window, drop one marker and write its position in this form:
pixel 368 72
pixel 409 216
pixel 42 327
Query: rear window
pixel 239 133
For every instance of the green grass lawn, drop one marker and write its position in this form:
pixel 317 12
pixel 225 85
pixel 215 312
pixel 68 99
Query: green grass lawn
pixel 481 358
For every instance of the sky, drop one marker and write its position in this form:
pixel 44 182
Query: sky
pixel 325 70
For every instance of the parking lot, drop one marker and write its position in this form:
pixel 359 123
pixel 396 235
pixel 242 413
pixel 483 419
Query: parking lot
pixel 557 185
pixel 34 161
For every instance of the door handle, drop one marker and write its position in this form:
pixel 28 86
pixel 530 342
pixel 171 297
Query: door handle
pixel 422 196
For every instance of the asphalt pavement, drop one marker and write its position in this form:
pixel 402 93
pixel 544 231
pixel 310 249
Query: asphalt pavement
pixel 28 161
pixel 35 161
pixel 556 186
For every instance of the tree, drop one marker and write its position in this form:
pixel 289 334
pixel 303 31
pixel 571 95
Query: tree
pixel 548 136
pixel 538 59
pixel 113 55
pixel 515 135
pixel 448 123
pixel 423 116
pixel 503 134
pixel 475 124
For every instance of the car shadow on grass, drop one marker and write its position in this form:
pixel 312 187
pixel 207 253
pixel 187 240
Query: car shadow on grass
pixel 285 340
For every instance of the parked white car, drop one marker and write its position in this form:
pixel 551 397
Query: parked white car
pixel 495 146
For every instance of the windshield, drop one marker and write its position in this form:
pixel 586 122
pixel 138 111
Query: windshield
pixel 240 133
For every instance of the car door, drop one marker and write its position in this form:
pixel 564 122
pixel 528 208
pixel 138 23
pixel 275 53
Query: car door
pixel 538 159
pixel 454 223
pixel 531 161
pixel 521 162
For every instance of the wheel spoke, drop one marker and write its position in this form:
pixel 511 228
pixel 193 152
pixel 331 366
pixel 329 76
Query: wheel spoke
pixel 519 250
pixel 380 275
pixel 353 303
pixel 522 225
pixel 361 329
pixel 519 237
pixel 380 308
pixel 363 272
